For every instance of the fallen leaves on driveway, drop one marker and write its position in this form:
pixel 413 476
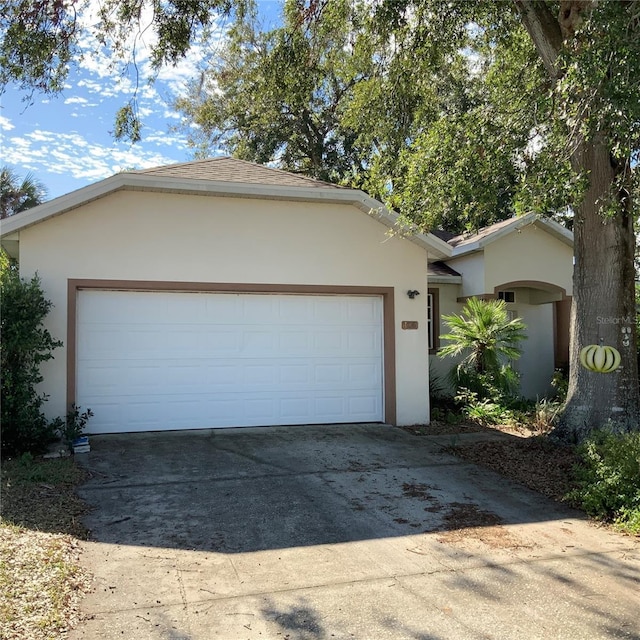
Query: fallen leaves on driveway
pixel 534 462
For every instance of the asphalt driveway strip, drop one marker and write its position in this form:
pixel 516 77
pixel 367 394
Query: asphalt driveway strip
pixel 340 531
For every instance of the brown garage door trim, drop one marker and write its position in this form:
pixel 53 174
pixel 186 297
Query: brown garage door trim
pixel 388 315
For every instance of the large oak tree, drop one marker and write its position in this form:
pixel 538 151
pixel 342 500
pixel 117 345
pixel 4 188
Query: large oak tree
pixel 452 112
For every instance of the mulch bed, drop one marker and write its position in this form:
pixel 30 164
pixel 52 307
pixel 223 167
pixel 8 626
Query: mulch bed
pixel 533 461
pixel 437 428
pixel 49 504
pixel 536 462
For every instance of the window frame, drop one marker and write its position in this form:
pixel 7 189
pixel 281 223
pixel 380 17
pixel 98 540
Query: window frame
pixel 503 294
pixel 433 319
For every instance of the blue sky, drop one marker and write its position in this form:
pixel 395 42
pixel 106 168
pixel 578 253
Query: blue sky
pixel 65 140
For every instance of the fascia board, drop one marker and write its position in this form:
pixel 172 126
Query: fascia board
pixel 550 226
pixel 145 182
pixel 444 279
pixel 557 230
pixel 438 249
pixel 471 247
pixel 466 249
pixel 60 205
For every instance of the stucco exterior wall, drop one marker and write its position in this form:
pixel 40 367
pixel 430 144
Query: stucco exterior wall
pixel 472 269
pixel 528 254
pixel 169 237
pixel 535 366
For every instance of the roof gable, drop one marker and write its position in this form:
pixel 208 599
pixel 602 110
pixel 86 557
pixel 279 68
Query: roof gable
pixel 226 169
pixel 224 177
pixel 476 241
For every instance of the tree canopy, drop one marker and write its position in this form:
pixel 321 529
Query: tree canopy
pixel 420 127
pixel 280 95
pixel 18 194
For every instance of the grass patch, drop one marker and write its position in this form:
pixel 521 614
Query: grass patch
pixel 41 581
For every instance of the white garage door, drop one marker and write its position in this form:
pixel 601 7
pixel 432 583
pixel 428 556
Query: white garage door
pixel 152 361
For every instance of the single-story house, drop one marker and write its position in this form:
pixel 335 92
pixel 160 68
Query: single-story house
pixel 221 293
pixel 528 263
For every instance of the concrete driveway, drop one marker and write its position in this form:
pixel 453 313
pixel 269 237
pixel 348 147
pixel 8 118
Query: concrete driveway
pixel 351 531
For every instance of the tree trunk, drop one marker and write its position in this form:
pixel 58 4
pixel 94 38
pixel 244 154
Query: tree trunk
pixel 603 310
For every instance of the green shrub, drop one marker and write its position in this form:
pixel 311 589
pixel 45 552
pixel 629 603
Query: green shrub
pixel 484 411
pixel 483 335
pixel 560 384
pixel 608 479
pixel 25 345
pixel 73 426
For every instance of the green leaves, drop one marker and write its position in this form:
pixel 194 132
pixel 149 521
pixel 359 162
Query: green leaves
pixel 37 43
pixel 608 479
pixel 280 95
pixel 25 345
pixel 19 195
pixel 127 125
pixel 483 335
pixel 598 93
pixel 485 340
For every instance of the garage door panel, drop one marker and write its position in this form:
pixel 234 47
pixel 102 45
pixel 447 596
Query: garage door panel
pixel 295 342
pixel 362 375
pixel 362 405
pixel 153 361
pixel 332 374
pixel 361 343
pixel 328 341
pixel 328 310
pixel 294 374
pixel 225 341
pixel 363 310
pixel 259 343
pixel 259 309
pixel 294 310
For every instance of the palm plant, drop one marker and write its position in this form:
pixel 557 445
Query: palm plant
pixel 17 196
pixel 486 338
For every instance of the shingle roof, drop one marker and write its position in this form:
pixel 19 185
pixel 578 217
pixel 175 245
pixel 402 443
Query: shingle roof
pixel 439 268
pixel 475 236
pixel 443 235
pixel 226 177
pixel 225 169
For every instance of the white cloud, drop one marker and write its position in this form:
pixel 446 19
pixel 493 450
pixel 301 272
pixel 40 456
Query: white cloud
pixel 39 136
pixel 76 100
pixel 71 153
pixel 6 124
pixel 64 145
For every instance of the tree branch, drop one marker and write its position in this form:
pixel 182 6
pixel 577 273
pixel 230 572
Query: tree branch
pixel 545 32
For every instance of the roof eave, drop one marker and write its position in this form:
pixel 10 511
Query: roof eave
pixel 62 204
pixel 142 182
pixel 444 279
pixel 551 226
